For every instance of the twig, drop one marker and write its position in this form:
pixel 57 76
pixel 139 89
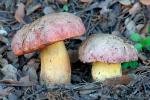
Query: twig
pixel 17 85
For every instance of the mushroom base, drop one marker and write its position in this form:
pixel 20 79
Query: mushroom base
pixel 55 64
pixel 102 71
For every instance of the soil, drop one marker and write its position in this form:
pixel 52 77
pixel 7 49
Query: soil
pixel 19 75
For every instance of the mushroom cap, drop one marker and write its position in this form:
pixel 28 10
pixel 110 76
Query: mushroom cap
pixel 106 48
pixel 145 2
pixel 47 30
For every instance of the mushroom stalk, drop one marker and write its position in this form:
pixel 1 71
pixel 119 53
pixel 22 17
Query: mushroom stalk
pixel 55 64
pixel 102 71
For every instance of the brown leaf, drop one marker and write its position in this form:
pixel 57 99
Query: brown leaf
pixel 4 40
pixel 25 81
pixel 5 92
pixel 29 2
pixel 12 57
pixel 30 70
pixel 62 1
pixel 135 9
pixel 58 1
pixel 123 80
pixel 148 11
pixel 20 13
pixel 9 81
pixel 144 30
pixel 3 61
pixel 9 72
pixel 33 7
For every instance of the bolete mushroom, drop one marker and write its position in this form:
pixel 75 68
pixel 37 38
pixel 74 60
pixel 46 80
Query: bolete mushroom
pixel 106 52
pixel 47 34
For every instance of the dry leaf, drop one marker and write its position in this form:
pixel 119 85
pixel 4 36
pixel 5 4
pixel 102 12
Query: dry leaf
pixel 130 26
pixel 59 1
pixel 12 57
pixel 29 2
pixel 30 70
pixel 126 2
pixel 48 10
pixel 62 1
pixel 33 75
pixel 3 61
pixel 86 1
pixel 139 27
pixel 12 96
pixel 135 9
pixel 6 91
pixel 123 80
pixel 20 13
pixel 25 81
pixel 33 7
pixel 148 12
pixel 4 40
pixel 9 72
pixel 9 81
pixel 29 55
pixel 144 30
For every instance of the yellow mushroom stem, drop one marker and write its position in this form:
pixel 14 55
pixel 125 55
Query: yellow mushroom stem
pixel 55 64
pixel 102 71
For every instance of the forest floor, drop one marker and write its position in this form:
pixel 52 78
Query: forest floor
pixel 19 75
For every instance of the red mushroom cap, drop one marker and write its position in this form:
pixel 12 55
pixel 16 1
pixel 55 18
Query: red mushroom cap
pixel 47 30
pixel 106 48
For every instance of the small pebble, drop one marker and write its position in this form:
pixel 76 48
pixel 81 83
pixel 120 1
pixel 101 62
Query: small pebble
pixel 48 10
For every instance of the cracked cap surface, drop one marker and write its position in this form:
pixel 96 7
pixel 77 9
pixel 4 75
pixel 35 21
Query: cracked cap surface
pixel 106 48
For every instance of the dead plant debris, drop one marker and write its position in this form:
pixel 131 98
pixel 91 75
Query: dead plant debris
pixel 19 75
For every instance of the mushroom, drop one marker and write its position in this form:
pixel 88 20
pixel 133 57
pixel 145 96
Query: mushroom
pixel 106 52
pixel 145 2
pixel 47 34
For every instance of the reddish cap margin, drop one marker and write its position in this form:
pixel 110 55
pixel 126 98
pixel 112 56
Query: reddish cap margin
pixel 47 30
pixel 106 48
